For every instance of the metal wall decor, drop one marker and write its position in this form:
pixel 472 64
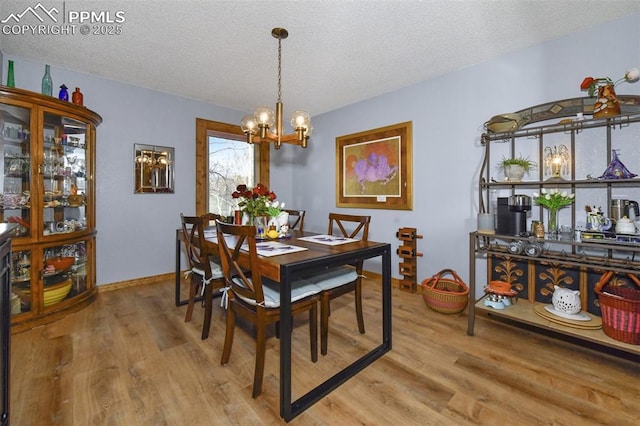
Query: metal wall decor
pixel 153 169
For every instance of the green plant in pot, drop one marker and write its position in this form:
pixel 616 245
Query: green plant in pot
pixel 515 168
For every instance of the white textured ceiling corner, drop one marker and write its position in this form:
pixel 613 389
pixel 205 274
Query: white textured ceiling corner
pixel 338 52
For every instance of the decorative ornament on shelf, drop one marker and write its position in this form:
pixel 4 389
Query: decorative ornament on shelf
pixel 255 201
pixel 617 170
pixel 63 95
pixel 553 200
pixel 607 104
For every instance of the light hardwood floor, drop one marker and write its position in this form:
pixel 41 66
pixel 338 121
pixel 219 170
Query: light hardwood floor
pixel 130 359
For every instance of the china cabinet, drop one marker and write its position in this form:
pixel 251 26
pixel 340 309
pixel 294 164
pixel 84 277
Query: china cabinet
pixel 47 181
pixel 576 255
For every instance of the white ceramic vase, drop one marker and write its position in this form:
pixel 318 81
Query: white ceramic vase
pixel 514 172
pixel 283 219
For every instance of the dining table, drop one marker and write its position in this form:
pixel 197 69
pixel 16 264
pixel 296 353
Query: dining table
pixel 306 256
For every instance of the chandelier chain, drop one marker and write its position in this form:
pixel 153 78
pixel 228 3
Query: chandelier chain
pixel 279 70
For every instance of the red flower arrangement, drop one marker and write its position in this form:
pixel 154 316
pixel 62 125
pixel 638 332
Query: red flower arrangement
pixel 255 200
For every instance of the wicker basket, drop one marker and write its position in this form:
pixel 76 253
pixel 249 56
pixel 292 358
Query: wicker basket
pixel 445 295
pixel 620 309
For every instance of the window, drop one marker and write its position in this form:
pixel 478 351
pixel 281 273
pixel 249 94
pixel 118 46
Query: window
pixel 224 160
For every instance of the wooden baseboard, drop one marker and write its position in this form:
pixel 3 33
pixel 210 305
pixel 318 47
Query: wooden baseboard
pixel 136 282
pixel 395 282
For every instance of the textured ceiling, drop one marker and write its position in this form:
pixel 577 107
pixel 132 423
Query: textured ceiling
pixel 338 52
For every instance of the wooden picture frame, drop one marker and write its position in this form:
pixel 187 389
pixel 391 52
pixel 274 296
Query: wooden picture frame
pixel 374 168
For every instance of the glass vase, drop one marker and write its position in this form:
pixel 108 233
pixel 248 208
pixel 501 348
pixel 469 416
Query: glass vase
pixel 552 221
pixel 260 222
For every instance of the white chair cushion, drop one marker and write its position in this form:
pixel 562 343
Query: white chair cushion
pixel 300 289
pixel 216 271
pixel 334 277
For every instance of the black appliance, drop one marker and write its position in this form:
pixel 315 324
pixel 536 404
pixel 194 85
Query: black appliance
pixel 512 214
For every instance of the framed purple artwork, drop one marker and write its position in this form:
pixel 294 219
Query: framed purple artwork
pixel 374 168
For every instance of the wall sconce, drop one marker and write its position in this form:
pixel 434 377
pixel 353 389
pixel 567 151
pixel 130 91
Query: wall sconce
pixel 556 162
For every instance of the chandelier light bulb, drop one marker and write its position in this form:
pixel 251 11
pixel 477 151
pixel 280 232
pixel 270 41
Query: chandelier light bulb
pixel 300 119
pixel 249 124
pixel 265 116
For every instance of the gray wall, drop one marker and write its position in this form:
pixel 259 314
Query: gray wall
pixel 448 115
pixel 136 232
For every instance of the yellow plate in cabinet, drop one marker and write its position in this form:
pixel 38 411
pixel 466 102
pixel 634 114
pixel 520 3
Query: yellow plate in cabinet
pixel 594 324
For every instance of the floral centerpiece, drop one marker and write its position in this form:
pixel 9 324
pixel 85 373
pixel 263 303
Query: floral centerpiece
pixel 553 200
pixel 607 102
pixel 255 201
pixel 274 208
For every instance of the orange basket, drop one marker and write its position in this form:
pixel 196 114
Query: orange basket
pixel 445 295
pixel 620 308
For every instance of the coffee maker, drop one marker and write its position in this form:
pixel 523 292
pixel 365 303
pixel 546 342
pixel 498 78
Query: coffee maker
pixel 621 208
pixel 512 214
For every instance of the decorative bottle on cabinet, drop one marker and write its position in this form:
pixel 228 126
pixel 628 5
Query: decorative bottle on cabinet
pixel 11 82
pixel 63 95
pixel 77 97
pixel 47 83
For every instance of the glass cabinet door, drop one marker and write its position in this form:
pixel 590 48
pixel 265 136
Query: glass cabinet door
pixel 64 272
pixel 15 170
pixel 64 175
pixel 21 275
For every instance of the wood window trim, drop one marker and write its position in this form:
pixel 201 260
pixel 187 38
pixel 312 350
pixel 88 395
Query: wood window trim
pixel 203 129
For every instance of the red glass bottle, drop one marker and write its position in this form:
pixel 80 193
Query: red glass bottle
pixel 77 97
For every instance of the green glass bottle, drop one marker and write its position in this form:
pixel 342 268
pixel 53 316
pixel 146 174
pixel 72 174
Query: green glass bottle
pixel 47 83
pixel 11 82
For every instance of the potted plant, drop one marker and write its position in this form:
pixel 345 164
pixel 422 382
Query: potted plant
pixel 515 168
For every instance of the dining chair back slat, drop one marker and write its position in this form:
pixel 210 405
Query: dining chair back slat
pixel 231 239
pixel 350 226
pixel 296 219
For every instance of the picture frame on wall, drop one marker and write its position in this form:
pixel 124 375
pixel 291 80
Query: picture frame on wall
pixel 374 168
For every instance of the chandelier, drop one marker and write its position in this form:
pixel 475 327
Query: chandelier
pixel 265 125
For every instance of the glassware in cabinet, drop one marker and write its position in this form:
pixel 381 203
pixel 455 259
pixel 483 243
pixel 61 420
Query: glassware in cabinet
pixel 15 174
pixel 64 272
pixel 21 282
pixel 64 175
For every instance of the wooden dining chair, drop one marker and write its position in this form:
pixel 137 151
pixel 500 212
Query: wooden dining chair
pixel 296 219
pixel 341 280
pixel 204 271
pixel 257 298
